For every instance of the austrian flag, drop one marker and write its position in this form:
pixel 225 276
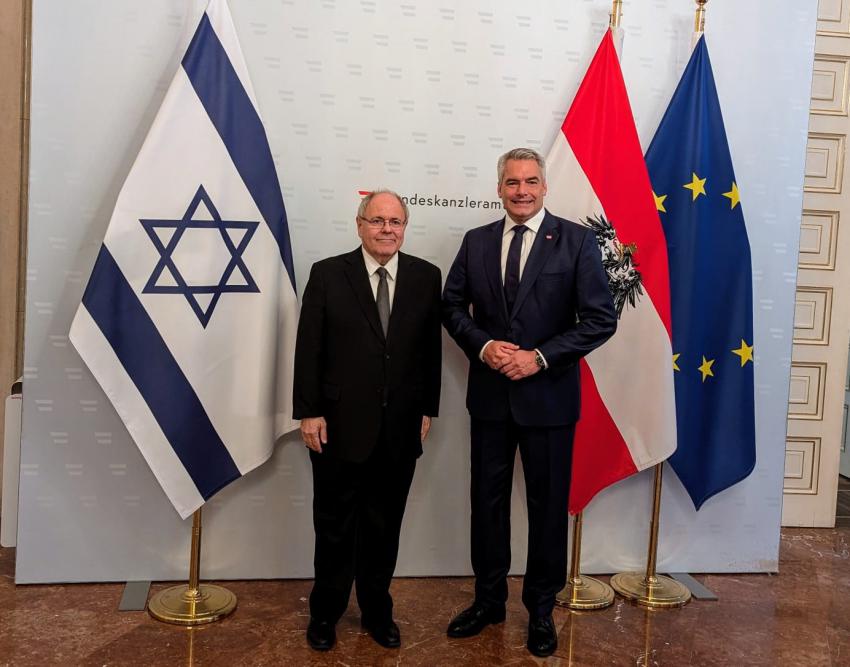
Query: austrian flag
pixel 597 176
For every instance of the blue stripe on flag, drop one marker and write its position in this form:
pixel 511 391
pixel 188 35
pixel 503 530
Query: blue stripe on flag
pixel 234 116
pixel 125 323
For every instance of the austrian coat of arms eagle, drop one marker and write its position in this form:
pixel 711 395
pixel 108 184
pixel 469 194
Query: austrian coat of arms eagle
pixel 618 259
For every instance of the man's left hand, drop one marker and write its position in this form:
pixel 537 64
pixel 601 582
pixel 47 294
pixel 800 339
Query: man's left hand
pixel 521 365
pixel 426 426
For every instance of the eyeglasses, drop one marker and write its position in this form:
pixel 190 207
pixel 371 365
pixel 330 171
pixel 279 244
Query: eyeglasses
pixel 378 223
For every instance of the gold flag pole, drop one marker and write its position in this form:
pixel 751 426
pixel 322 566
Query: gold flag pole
pixel 616 14
pixel 650 589
pixel 699 18
pixel 583 592
pixel 195 603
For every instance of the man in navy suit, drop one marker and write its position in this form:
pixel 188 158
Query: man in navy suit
pixel 539 302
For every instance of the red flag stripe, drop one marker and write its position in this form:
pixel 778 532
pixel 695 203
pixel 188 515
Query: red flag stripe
pixel 603 457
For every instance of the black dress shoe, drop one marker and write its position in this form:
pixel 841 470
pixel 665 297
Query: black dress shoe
pixel 385 633
pixel 542 638
pixel 473 620
pixel 321 635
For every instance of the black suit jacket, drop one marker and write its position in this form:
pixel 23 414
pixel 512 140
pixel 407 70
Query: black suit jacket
pixel 347 371
pixel 563 308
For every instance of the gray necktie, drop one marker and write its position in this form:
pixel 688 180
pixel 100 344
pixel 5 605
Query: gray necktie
pixel 383 299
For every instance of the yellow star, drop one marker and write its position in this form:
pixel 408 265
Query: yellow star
pixel 705 368
pixel 659 202
pixel 696 186
pixel 675 359
pixel 745 352
pixel 733 195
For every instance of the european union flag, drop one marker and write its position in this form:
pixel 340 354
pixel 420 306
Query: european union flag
pixel 711 287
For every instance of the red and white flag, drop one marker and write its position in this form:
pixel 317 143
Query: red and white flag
pixel 597 176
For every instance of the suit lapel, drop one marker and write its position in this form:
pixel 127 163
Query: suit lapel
pixel 544 244
pixel 493 264
pixel 359 281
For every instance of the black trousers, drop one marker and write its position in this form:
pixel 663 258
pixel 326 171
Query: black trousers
pixel 546 454
pixel 357 514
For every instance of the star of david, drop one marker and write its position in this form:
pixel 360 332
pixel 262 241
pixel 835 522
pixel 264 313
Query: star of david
pixel 167 278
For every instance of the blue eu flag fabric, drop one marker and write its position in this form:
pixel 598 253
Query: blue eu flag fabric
pixel 710 283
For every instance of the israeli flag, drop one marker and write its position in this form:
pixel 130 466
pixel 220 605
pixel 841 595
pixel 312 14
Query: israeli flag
pixel 188 321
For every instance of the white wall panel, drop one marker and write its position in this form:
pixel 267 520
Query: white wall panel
pixel 421 97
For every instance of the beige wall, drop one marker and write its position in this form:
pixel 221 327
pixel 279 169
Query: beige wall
pixel 822 314
pixel 14 126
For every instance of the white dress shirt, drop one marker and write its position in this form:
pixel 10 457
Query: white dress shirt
pixel 372 266
pixel 527 240
pixel 528 237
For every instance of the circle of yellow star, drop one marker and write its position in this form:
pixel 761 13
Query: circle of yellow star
pixel 675 359
pixel 696 186
pixel 705 368
pixel 659 202
pixel 745 352
pixel 733 195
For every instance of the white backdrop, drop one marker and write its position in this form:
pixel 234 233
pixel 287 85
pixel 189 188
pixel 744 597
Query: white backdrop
pixel 420 97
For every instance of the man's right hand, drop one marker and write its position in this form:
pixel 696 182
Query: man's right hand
pixel 314 432
pixel 497 353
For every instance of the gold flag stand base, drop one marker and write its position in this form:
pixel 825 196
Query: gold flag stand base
pixel 649 589
pixel 582 592
pixel 586 593
pixel 659 592
pixel 181 605
pixel 193 603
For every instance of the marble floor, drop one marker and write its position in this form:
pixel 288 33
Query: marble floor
pixel 800 617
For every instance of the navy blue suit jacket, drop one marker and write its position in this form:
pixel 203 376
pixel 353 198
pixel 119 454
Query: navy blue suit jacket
pixel 563 308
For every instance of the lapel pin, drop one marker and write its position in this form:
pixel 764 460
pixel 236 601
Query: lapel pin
pixel 548 237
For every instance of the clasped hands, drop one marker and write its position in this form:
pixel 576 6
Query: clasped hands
pixel 509 360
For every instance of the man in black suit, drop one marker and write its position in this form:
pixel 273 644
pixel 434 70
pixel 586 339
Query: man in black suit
pixel 540 301
pixel 367 383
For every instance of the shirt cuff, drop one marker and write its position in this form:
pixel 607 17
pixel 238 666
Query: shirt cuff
pixel 481 354
pixel 545 363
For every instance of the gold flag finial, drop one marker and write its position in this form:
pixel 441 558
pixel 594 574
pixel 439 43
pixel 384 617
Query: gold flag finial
pixel 616 14
pixel 699 19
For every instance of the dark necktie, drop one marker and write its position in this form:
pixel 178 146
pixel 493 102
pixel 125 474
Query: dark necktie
pixel 383 299
pixel 512 266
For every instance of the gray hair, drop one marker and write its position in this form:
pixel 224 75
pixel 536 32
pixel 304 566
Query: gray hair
pixel 521 154
pixel 364 203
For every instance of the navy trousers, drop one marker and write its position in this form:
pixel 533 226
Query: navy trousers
pixel 546 454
